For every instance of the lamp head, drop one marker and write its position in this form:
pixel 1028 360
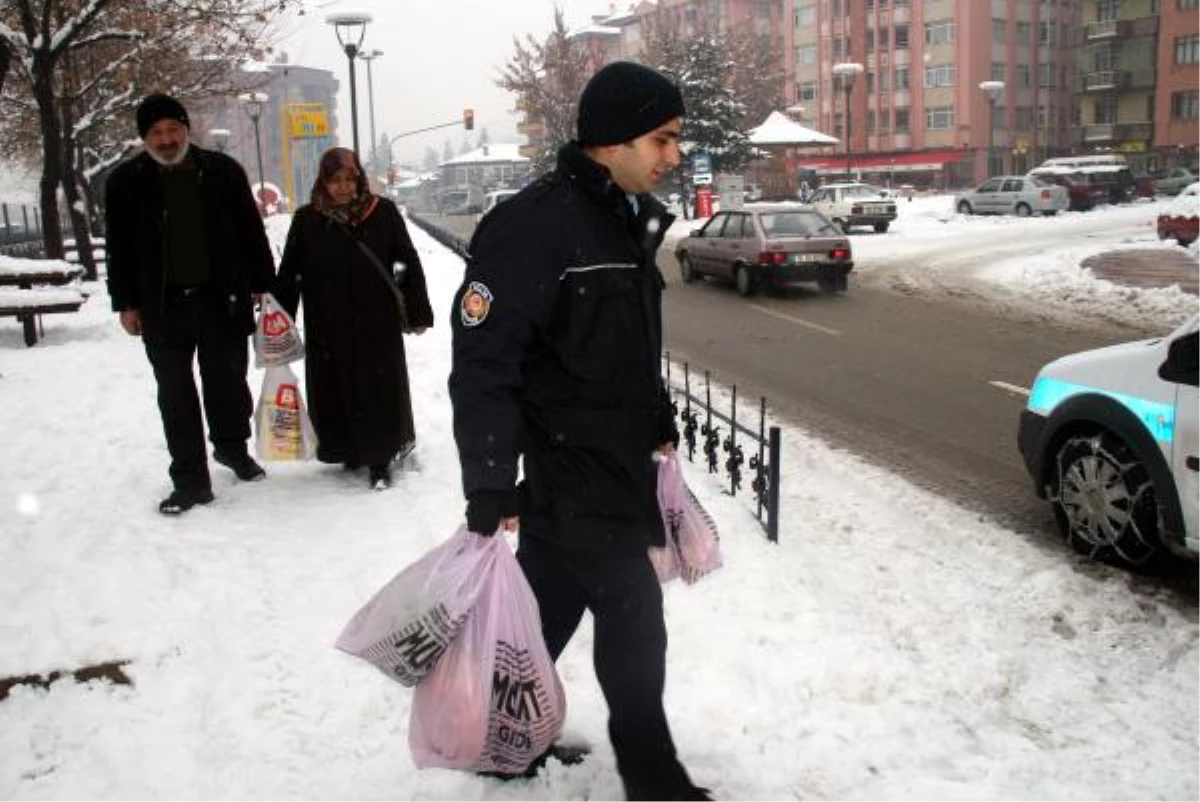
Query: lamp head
pixel 254 103
pixel 350 27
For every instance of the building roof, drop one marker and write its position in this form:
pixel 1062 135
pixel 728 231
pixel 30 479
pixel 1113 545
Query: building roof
pixel 496 153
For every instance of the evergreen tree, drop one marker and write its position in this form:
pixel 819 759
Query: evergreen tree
pixel 716 120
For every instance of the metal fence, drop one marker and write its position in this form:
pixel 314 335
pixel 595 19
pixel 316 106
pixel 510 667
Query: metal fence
pixel 20 230
pixel 765 444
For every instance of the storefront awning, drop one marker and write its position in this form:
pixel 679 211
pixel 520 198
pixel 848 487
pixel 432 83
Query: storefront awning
pixel 916 161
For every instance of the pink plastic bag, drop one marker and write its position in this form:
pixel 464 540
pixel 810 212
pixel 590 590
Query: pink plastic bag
pixel 494 701
pixel 692 547
pixel 407 626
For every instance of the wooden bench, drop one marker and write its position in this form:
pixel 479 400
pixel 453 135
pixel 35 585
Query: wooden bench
pixel 29 297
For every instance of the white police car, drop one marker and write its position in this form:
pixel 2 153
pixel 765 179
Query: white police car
pixel 1110 438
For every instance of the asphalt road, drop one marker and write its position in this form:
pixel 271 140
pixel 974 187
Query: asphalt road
pixel 928 388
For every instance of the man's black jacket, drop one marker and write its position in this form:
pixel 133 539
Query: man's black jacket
pixel 563 368
pixel 240 261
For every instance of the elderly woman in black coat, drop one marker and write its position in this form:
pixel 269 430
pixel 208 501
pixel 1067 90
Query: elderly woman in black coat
pixel 348 255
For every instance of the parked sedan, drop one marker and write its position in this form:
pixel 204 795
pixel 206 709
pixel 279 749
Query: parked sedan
pixel 767 245
pixel 1174 181
pixel 1083 195
pixel 1013 194
pixel 852 204
pixel 1179 221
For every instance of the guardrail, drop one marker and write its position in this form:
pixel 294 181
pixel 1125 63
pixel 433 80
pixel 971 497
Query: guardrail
pixel 764 465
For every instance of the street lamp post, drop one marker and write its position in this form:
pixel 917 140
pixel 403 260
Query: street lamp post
pixel 351 27
pixel 254 102
pixel 847 72
pixel 993 90
pixel 369 56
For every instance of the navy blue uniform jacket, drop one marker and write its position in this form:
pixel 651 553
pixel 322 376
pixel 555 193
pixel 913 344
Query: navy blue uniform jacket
pixel 556 360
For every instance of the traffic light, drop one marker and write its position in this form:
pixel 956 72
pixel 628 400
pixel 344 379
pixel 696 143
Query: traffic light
pixel 469 119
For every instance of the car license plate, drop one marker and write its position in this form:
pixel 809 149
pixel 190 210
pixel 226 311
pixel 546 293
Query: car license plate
pixel 876 209
pixel 797 258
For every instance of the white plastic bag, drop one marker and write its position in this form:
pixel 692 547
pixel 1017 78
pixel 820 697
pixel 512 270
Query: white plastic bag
pixel 282 429
pixel 406 627
pixel 494 701
pixel 276 338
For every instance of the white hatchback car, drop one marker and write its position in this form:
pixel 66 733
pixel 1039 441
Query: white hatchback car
pixel 1021 195
pixel 853 204
pixel 1111 439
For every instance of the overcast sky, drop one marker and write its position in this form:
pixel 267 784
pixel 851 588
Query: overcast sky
pixel 440 56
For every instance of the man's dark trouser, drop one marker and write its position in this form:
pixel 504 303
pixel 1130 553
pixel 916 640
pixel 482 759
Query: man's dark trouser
pixel 625 599
pixel 198 324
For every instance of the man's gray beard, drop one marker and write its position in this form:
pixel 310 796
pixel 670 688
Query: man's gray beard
pixel 183 152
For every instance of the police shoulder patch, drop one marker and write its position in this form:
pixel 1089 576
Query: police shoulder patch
pixel 475 305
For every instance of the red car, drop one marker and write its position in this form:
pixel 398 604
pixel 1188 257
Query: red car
pixel 1179 221
pixel 1084 194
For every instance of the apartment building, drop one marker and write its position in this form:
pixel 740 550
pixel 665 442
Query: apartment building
pixel 917 112
pixel 1177 94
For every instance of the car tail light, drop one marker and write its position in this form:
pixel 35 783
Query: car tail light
pixel 1045 194
pixel 768 258
pixel 840 252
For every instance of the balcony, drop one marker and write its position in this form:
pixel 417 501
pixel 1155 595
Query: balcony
pixel 1109 29
pixel 1105 80
pixel 1117 132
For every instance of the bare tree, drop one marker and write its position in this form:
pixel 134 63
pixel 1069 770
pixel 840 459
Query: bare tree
pixel 80 67
pixel 547 79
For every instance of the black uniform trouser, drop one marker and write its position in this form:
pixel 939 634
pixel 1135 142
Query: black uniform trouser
pixel 198 325
pixel 625 599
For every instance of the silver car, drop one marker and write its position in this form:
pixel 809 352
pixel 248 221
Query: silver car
pixel 1021 195
pixel 767 245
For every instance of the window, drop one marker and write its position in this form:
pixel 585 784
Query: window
pixel 836 48
pixel 940 75
pixel 1046 33
pixel 991 185
pixel 901 83
pixel 901 121
pixel 870 40
pixel 806 16
pixel 883 38
pixel 1024 33
pixel 1184 104
pixel 870 121
pixel 1046 75
pixel 1187 3
pixel 1105 111
pixel 940 32
pixel 1024 118
pixel 999 71
pixel 901 37
pixel 1108 10
pixel 939 119
pixel 999 31
pixel 1187 48
pixel 1024 76
pixel 806 91
pixel 870 82
pixel 806 54
pixel 881 85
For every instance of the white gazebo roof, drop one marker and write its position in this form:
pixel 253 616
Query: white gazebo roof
pixel 778 129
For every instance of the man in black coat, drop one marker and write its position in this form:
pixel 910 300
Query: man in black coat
pixel 557 336
pixel 187 260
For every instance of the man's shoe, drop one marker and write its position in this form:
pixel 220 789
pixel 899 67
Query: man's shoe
pixel 696 793
pixel 242 465
pixel 380 477
pixel 181 500
pixel 568 755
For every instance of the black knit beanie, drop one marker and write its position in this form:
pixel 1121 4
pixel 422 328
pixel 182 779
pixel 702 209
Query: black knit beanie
pixel 623 101
pixel 159 107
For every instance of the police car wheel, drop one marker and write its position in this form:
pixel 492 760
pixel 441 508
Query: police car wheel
pixel 1104 500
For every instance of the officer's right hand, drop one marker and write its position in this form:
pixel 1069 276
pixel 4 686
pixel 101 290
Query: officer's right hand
pixel 489 510
pixel 131 321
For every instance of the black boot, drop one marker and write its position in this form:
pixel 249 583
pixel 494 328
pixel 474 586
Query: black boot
pixel 183 499
pixel 380 477
pixel 242 465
